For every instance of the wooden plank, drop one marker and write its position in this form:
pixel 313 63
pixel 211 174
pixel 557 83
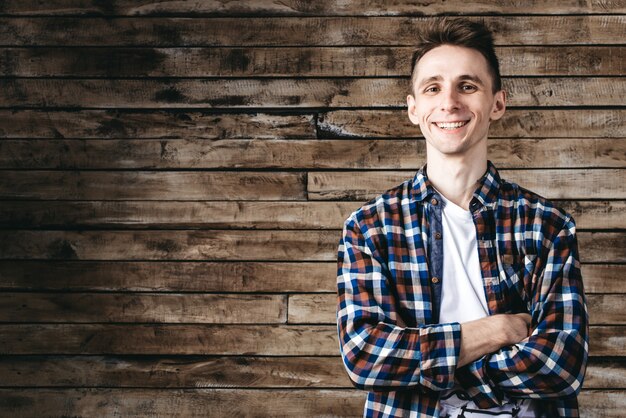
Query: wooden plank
pixel 313 31
pixel 292 93
pixel 86 276
pixel 142 308
pixel 516 123
pixel 152 124
pixel 595 214
pixel 289 62
pixel 170 245
pixel 216 372
pixel 609 403
pixel 321 309
pixel 195 339
pixel 299 8
pixel 244 277
pixel 152 185
pixel 302 154
pixel 553 184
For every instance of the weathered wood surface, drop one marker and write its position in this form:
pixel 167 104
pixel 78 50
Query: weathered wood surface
pixel 313 31
pixel 300 8
pixel 594 214
pixel 289 62
pixel 203 339
pixel 243 277
pixel 321 309
pixel 142 308
pixel 215 372
pixel 291 154
pixel 305 245
pixel 516 123
pixel 550 183
pixel 211 309
pixel 152 124
pixel 286 93
pixel 152 185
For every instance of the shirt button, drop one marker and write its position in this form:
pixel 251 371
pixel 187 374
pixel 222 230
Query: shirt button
pixel 434 201
pixel 435 280
pixel 437 235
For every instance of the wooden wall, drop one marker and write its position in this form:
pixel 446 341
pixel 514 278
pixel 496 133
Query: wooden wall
pixel 175 176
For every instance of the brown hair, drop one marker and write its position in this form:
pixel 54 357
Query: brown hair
pixel 457 32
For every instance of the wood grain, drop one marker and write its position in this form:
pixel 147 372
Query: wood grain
pixel 302 154
pixel 142 308
pixel 152 124
pixel 200 339
pixel 286 93
pixel 516 123
pixel 313 31
pixel 217 372
pixel 608 278
pixel 551 183
pixel 164 276
pixel 594 214
pixel 299 8
pixel 289 62
pixel 152 185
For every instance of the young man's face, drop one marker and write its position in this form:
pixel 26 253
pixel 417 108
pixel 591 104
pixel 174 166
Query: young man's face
pixel 452 101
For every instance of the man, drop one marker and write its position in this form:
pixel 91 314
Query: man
pixel 459 293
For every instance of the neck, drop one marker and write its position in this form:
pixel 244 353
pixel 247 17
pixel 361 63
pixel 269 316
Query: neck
pixel 456 176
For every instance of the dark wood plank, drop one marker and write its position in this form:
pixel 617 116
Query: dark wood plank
pixel 216 372
pixel 313 31
pixel 516 123
pixel 553 184
pixel 194 339
pixel 292 93
pixel 321 309
pixel 245 276
pixel 608 278
pixel 152 185
pixel 152 124
pixel 299 8
pixel 302 154
pixel 142 308
pixel 288 62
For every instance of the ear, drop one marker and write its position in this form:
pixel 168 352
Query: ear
pixel 411 103
pixel 499 105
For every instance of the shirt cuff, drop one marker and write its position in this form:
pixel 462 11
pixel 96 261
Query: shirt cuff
pixel 440 347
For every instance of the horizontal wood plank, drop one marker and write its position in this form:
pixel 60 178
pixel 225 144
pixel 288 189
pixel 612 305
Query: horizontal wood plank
pixel 306 245
pixel 312 31
pixel 152 185
pixel 516 123
pixel 299 8
pixel 596 214
pixel 289 62
pixel 290 93
pixel 321 309
pixel 302 154
pixel 244 277
pixel 217 372
pixel 551 183
pixel 152 124
pixel 137 276
pixel 195 339
pixel 142 308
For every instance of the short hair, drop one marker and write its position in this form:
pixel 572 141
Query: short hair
pixel 457 32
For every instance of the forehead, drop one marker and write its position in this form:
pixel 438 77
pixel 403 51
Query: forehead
pixel 450 62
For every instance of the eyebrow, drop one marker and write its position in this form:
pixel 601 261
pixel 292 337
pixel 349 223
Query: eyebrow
pixel 463 77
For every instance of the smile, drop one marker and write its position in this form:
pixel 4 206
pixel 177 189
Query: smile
pixel 451 125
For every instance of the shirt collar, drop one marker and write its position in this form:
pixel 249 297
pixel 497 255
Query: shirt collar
pixel 486 193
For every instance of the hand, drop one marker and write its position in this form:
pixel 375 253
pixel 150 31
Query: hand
pixel 517 327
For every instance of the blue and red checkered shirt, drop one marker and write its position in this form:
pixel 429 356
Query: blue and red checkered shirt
pixel 392 343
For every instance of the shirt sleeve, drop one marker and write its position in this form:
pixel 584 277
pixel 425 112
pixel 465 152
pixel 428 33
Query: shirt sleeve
pixel 551 362
pixel 378 350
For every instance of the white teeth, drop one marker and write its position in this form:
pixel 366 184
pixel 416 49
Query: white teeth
pixel 450 125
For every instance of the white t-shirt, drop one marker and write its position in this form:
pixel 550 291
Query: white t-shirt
pixel 463 299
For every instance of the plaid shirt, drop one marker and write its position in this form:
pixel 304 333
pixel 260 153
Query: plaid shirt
pixel 391 341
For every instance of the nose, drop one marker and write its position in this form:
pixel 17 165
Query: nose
pixel 449 100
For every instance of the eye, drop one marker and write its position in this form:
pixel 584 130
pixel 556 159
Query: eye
pixel 431 89
pixel 468 87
